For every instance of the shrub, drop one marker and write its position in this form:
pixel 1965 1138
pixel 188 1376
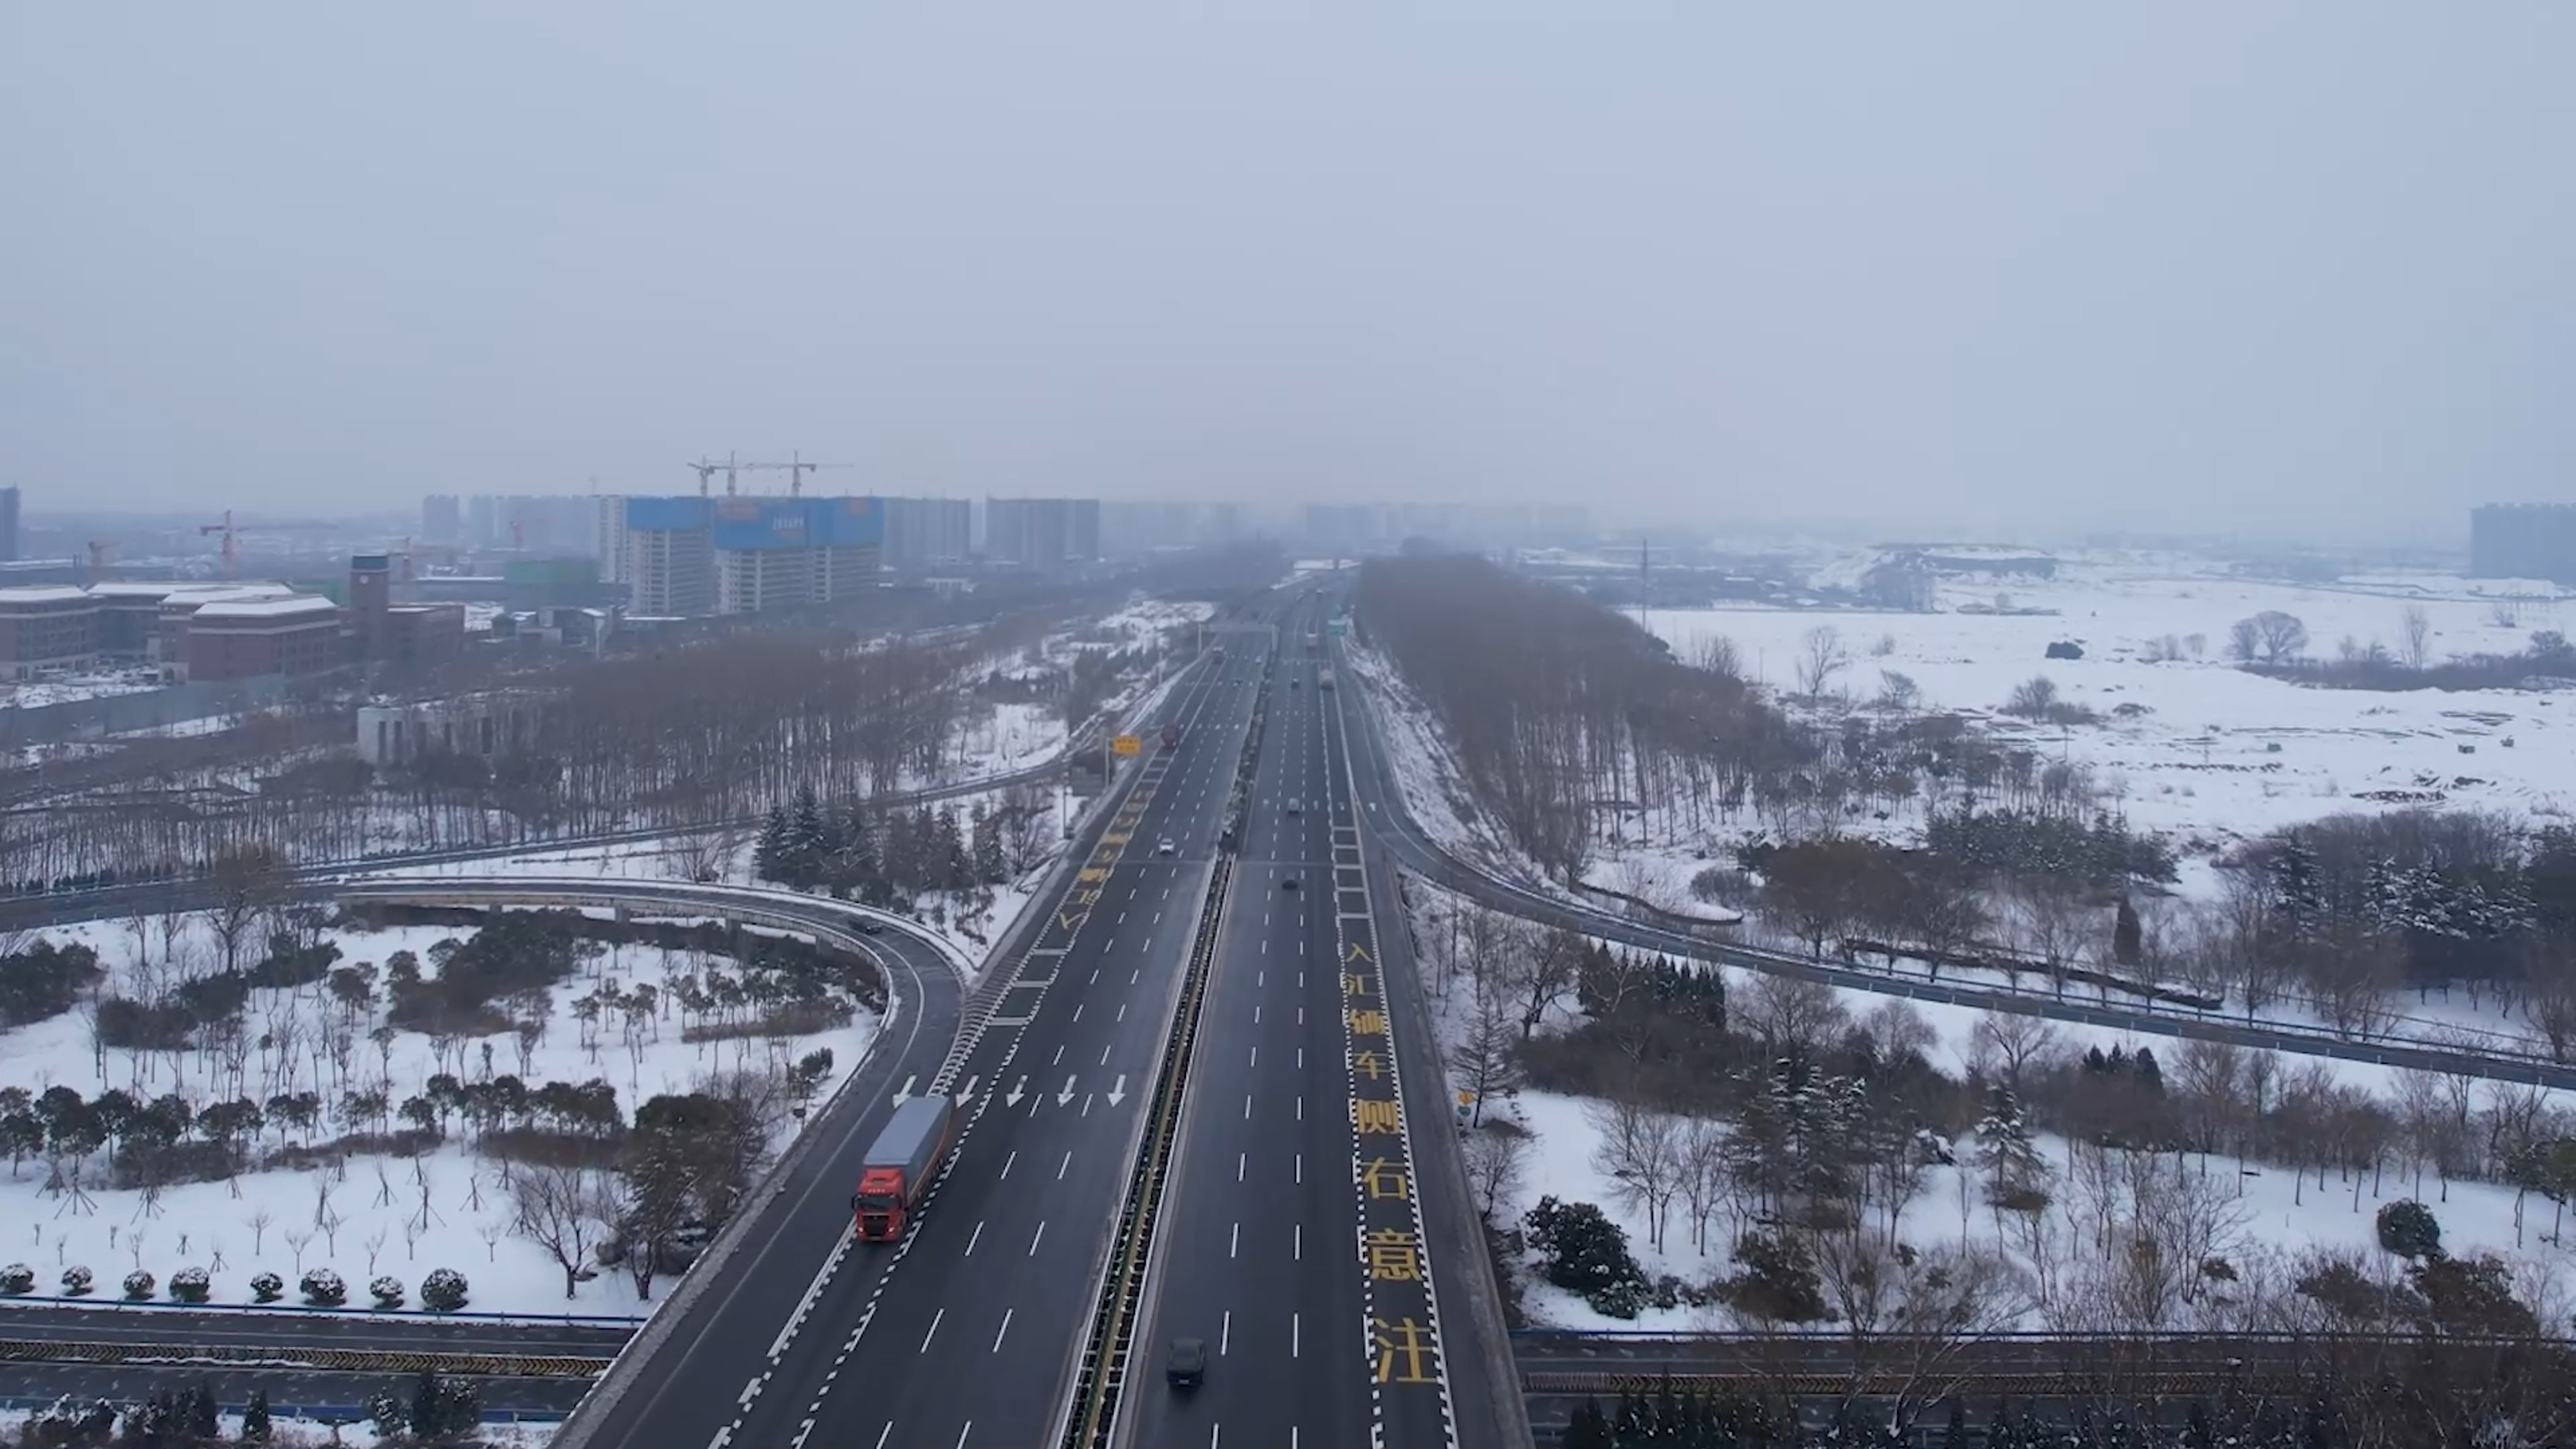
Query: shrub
pixel 76 1281
pixel 139 1285
pixel 191 1285
pixel 17 1278
pixel 267 1287
pixel 1588 1253
pixel 387 1291
pixel 443 1291
pixel 322 1288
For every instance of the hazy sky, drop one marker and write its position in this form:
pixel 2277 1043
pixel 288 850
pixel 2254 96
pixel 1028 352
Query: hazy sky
pixel 2191 263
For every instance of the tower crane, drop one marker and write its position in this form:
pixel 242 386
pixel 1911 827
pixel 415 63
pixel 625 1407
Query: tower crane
pixel 732 467
pixel 796 469
pixel 98 548
pixel 231 552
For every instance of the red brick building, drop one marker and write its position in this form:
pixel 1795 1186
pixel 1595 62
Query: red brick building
pixel 243 639
pixel 180 606
pixel 46 627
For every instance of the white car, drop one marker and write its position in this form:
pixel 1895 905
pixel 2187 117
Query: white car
pixel 1165 848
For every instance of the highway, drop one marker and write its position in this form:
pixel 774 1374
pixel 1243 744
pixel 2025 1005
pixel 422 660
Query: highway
pixel 1292 1240
pixel 1383 810
pixel 964 1333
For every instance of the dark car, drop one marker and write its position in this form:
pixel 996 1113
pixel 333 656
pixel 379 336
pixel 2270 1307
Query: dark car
pixel 1290 883
pixel 871 927
pixel 1187 1366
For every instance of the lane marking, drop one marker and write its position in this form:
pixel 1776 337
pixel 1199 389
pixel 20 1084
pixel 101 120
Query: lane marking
pixel 1006 1327
pixel 973 1238
pixel 934 1329
pixel 1040 1234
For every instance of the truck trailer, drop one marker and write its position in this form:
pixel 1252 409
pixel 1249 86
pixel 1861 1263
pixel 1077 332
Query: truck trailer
pixel 900 1165
pixel 1171 736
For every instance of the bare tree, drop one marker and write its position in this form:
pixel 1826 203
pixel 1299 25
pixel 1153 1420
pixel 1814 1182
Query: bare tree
pixel 2415 636
pixel 1496 1157
pixel 1908 1317
pixel 1821 656
pixel 1706 1183
pixel 1897 692
pixel 1718 655
pixel 1898 1030
pixel 2272 637
pixel 2018 1044
pixel 566 1210
pixel 1546 975
pixel 1642 1151
pixel 1486 1062
pixel 2051 925
pixel 1791 1013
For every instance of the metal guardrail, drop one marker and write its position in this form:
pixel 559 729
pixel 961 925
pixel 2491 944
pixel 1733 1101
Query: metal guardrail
pixel 1110 1344
pixel 602 1323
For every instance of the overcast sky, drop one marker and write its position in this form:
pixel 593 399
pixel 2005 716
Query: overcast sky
pixel 2202 264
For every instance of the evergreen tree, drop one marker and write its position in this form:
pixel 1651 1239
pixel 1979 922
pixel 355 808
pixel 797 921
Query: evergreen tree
pixel 1589 1428
pixel 2408 1229
pixel 1954 1432
pixel 204 1420
pixel 769 855
pixel 956 866
pixel 2150 1075
pixel 2298 902
pixel 803 857
pixel 2128 940
pixel 255 1421
pixel 2197 1432
pixel 2006 1151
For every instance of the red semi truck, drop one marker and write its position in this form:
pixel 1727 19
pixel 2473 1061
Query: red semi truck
pixel 900 1165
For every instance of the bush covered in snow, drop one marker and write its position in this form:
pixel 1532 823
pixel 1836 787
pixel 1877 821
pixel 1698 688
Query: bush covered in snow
pixel 267 1287
pixel 76 1280
pixel 17 1278
pixel 443 1291
pixel 322 1288
pixel 139 1285
pixel 388 1292
pixel 191 1285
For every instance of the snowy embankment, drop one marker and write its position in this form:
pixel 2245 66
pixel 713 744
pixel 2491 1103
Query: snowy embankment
pixel 2257 1215
pixel 326 1193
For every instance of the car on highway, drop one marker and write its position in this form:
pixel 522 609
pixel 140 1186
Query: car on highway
pixel 1294 808
pixel 1186 1366
pixel 1290 883
pixel 1165 848
pixel 869 926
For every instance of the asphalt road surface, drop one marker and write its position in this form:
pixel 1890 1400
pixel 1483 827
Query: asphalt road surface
pixel 722 1342
pixel 965 1333
pixel 1292 1238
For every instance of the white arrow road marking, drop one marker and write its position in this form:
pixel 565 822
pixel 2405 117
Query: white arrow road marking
pixel 905 1091
pixel 968 1095
pixel 1018 1090
pixel 1065 1097
pixel 1118 1091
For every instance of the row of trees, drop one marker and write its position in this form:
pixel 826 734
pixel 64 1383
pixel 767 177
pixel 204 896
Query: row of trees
pixel 431 1409
pixel 612 746
pixel 1563 717
pixel 881 855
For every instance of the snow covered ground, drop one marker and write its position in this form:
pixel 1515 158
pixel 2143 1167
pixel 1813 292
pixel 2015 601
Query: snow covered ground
pixel 2272 1214
pixel 1565 1135
pixel 357 1214
pixel 2193 745
pixel 285 1433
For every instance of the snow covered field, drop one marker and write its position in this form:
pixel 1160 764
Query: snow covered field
pixel 2266 1213
pixel 2192 745
pixel 359 1213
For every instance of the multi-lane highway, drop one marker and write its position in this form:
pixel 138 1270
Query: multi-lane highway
pixel 1292 1240
pixel 964 1333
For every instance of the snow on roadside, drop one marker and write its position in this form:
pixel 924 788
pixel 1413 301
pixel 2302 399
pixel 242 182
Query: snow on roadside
pixel 285 1433
pixel 2273 1211
pixel 369 1215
